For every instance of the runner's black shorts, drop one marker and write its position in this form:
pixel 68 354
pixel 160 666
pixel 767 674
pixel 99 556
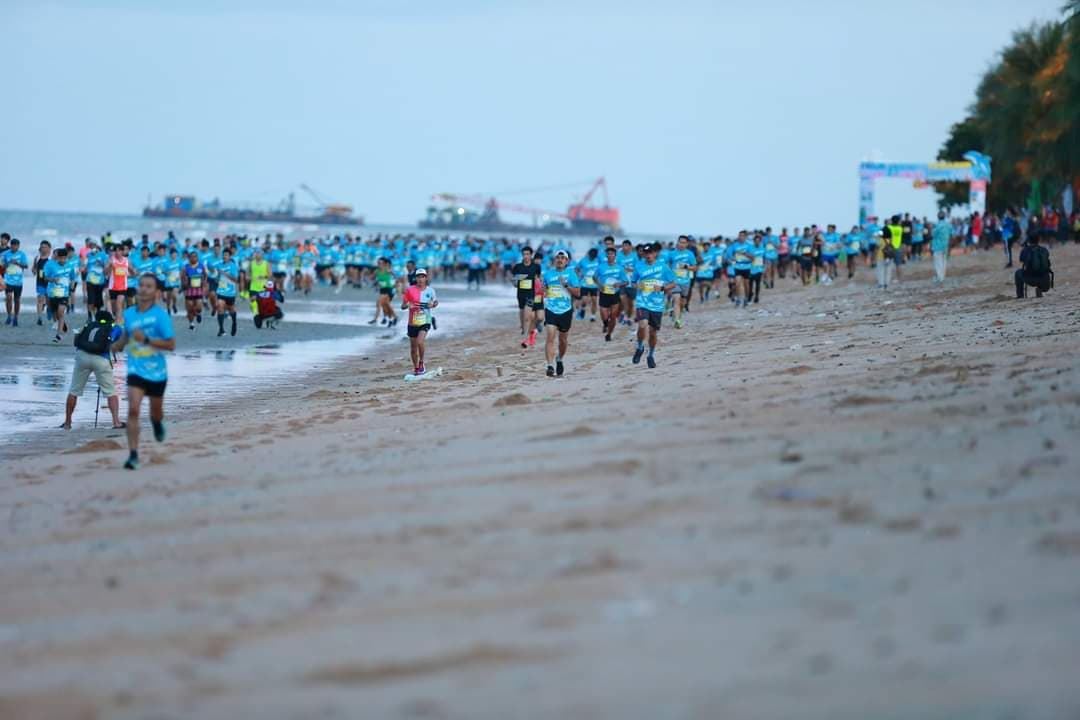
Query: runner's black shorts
pixel 415 330
pixel 742 273
pixel 55 302
pixel 629 292
pixel 280 276
pixel 589 292
pixel 389 292
pixel 320 269
pixel 608 301
pixel 229 301
pixel 806 262
pixel 212 283
pixel 654 318
pixel 561 321
pixel 152 388
pixel 95 294
pixel 525 299
pixel 14 290
pixel 160 284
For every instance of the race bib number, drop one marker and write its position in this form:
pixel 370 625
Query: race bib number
pixel 608 289
pixel 525 284
pixel 120 271
pixel 741 257
pixel 806 249
pixel 420 318
pixel 682 272
pixel 650 286
pixel 759 261
pixel 196 282
pixel 57 291
pixel 555 291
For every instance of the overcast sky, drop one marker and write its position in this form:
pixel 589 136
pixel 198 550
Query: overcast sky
pixel 703 116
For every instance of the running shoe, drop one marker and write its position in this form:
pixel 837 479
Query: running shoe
pixel 39 321
pixel 7 320
pixel 559 369
pixel 678 324
pixel 191 326
pixel 421 370
pixel 607 337
pixel 524 344
pixel 198 318
pixel 550 371
pixel 221 333
pixel 56 339
pixel 650 361
pixel 132 462
pixel 532 338
pixel 637 355
pixel 159 430
pixel 15 322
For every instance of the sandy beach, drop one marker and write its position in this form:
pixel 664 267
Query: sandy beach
pixel 841 503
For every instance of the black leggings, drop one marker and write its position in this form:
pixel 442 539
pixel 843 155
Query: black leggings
pixel 754 291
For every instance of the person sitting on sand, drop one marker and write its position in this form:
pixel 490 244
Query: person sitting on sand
pixel 266 306
pixel 1034 268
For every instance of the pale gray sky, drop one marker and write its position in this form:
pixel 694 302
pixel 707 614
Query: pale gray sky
pixel 704 116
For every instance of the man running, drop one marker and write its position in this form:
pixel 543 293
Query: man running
pixel 561 285
pixel 60 275
pixel 193 282
pixel 611 277
pixel 119 269
pixel 525 274
pixel 13 261
pixel 96 260
pixel 628 258
pixel 683 262
pixel 228 284
pixel 41 283
pixel 384 280
pixel 653 280
pixel 419 300
pixel 586 268
pixel 147 334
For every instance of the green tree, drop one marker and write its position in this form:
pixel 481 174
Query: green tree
pixel 1026 114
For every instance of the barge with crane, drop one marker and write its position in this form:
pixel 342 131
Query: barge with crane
pixel 481 212
pixel 187 207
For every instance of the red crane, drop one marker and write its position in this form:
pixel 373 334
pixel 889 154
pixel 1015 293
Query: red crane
pixel 579 212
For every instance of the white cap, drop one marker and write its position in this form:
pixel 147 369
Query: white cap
pixel 420 271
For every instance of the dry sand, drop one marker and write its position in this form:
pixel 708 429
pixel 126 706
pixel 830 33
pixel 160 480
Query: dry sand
pixel 844 504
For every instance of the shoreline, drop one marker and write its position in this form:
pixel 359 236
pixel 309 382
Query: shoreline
pixel 340 342
pixel 835 491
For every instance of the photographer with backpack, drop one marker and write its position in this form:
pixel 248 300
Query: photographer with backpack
pixel 1034 267
pixel 92 347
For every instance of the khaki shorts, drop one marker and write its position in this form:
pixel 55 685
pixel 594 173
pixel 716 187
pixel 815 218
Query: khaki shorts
pixel 85 363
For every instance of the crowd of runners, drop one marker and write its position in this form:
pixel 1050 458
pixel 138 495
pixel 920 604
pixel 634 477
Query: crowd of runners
pixel 132 290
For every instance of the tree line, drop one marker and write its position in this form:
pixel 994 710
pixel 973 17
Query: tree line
pixel 1026 116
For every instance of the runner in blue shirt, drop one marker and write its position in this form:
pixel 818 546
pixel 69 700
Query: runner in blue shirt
pixel 170 268
pixel 148 332
pixel 561 285
pixel 60 273
pixel 610 278
pixel 741 259
pixel 853 247
pixel 757 267
pixel 772 257
pixel 706 270
pixel 96 260
pixel 13 262
pixel 628 258
pixel 683 262
pixel 830 249
pixel 228 283
pixel 590 291
pixel 653 280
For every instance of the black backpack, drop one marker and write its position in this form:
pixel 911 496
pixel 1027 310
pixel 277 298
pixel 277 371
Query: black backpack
pixel 94 338
pixel 1039 262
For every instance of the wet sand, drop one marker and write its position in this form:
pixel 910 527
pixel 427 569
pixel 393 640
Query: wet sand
pixel 840 504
